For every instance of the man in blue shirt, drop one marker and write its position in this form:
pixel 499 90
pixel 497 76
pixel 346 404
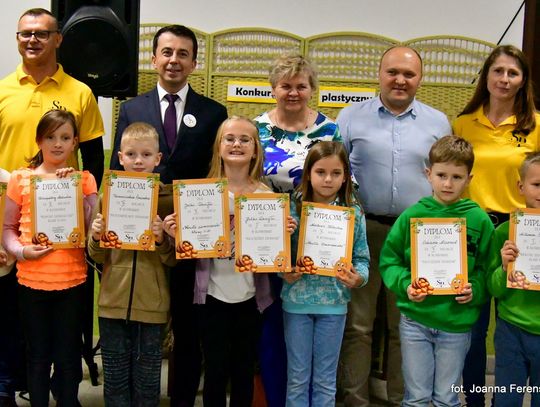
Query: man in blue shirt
pixel 388 139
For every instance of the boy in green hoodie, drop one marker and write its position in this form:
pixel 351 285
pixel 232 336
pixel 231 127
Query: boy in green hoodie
pixel 517 335
pixel 435 330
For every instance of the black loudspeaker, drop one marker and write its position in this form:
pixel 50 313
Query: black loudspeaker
pixel 101 43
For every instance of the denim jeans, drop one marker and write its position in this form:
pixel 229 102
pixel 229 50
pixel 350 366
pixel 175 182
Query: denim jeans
pixel 313 342
pixel 518 359
pixel 432 364
pixel 131 356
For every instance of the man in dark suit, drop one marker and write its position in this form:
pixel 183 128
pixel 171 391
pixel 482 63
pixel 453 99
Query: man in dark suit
pixel 187 124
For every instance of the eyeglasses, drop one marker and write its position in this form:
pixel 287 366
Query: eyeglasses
pixel 42 35
pixel 230 140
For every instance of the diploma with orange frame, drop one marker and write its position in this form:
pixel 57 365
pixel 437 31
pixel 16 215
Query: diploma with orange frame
pixel 326 239
pixel 439 255
pixel 57 211
pixel 524 231
pixel 3 189
pixel 129 207
pixel 203 224
pixel 262 243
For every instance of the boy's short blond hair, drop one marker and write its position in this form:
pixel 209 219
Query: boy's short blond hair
pixel 530 159
pixel 452 149
pixel 139 131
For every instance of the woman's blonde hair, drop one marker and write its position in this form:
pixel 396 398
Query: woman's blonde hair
pixel 289 65
pixel 217 169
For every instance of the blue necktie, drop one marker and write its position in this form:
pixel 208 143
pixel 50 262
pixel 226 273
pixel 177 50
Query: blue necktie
pixel 169 123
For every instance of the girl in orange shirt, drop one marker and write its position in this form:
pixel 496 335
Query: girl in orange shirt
pixel 50 281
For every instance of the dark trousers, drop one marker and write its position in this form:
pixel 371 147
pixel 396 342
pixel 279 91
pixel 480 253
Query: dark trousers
pixel 12 373
pixel 474 370
pixel 131 355
pixel 273 354
pixel 187 350
pixel 229 334
pixel 51 322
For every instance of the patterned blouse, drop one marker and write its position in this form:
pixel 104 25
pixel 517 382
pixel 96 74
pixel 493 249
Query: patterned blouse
pixel 285 151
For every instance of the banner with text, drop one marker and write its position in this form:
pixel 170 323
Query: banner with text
pixel 337 96
pixel 253 92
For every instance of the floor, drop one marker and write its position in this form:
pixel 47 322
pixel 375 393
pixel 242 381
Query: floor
pixel 92 396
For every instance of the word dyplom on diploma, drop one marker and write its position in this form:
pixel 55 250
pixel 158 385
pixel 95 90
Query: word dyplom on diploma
pixel 326 239
pixel 57 211
pixel 524 272
pixel 129 208
pixel 3 189
pixel 439 255
pixel 262 243
pixel 202 210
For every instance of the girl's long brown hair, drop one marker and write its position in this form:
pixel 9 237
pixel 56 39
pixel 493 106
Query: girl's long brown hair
pixel 321 150
pixel 47 125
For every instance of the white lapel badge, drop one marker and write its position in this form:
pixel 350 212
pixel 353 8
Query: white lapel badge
pixel 190 120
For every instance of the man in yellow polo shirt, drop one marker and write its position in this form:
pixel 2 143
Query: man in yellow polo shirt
pixel 38 85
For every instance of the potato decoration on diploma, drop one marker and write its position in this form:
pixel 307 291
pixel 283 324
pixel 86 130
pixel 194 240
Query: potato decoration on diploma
pixel 202 210
pixel 129 208
pixel 438 255
pixel 524 231
pixel 262 243
pixel 57 211
pixel 326 239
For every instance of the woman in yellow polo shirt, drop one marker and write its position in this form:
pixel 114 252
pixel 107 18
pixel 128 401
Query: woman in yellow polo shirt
pixel 502 125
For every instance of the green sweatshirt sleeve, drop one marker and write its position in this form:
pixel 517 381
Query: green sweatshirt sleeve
pixel 395 258
pixel 496 275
